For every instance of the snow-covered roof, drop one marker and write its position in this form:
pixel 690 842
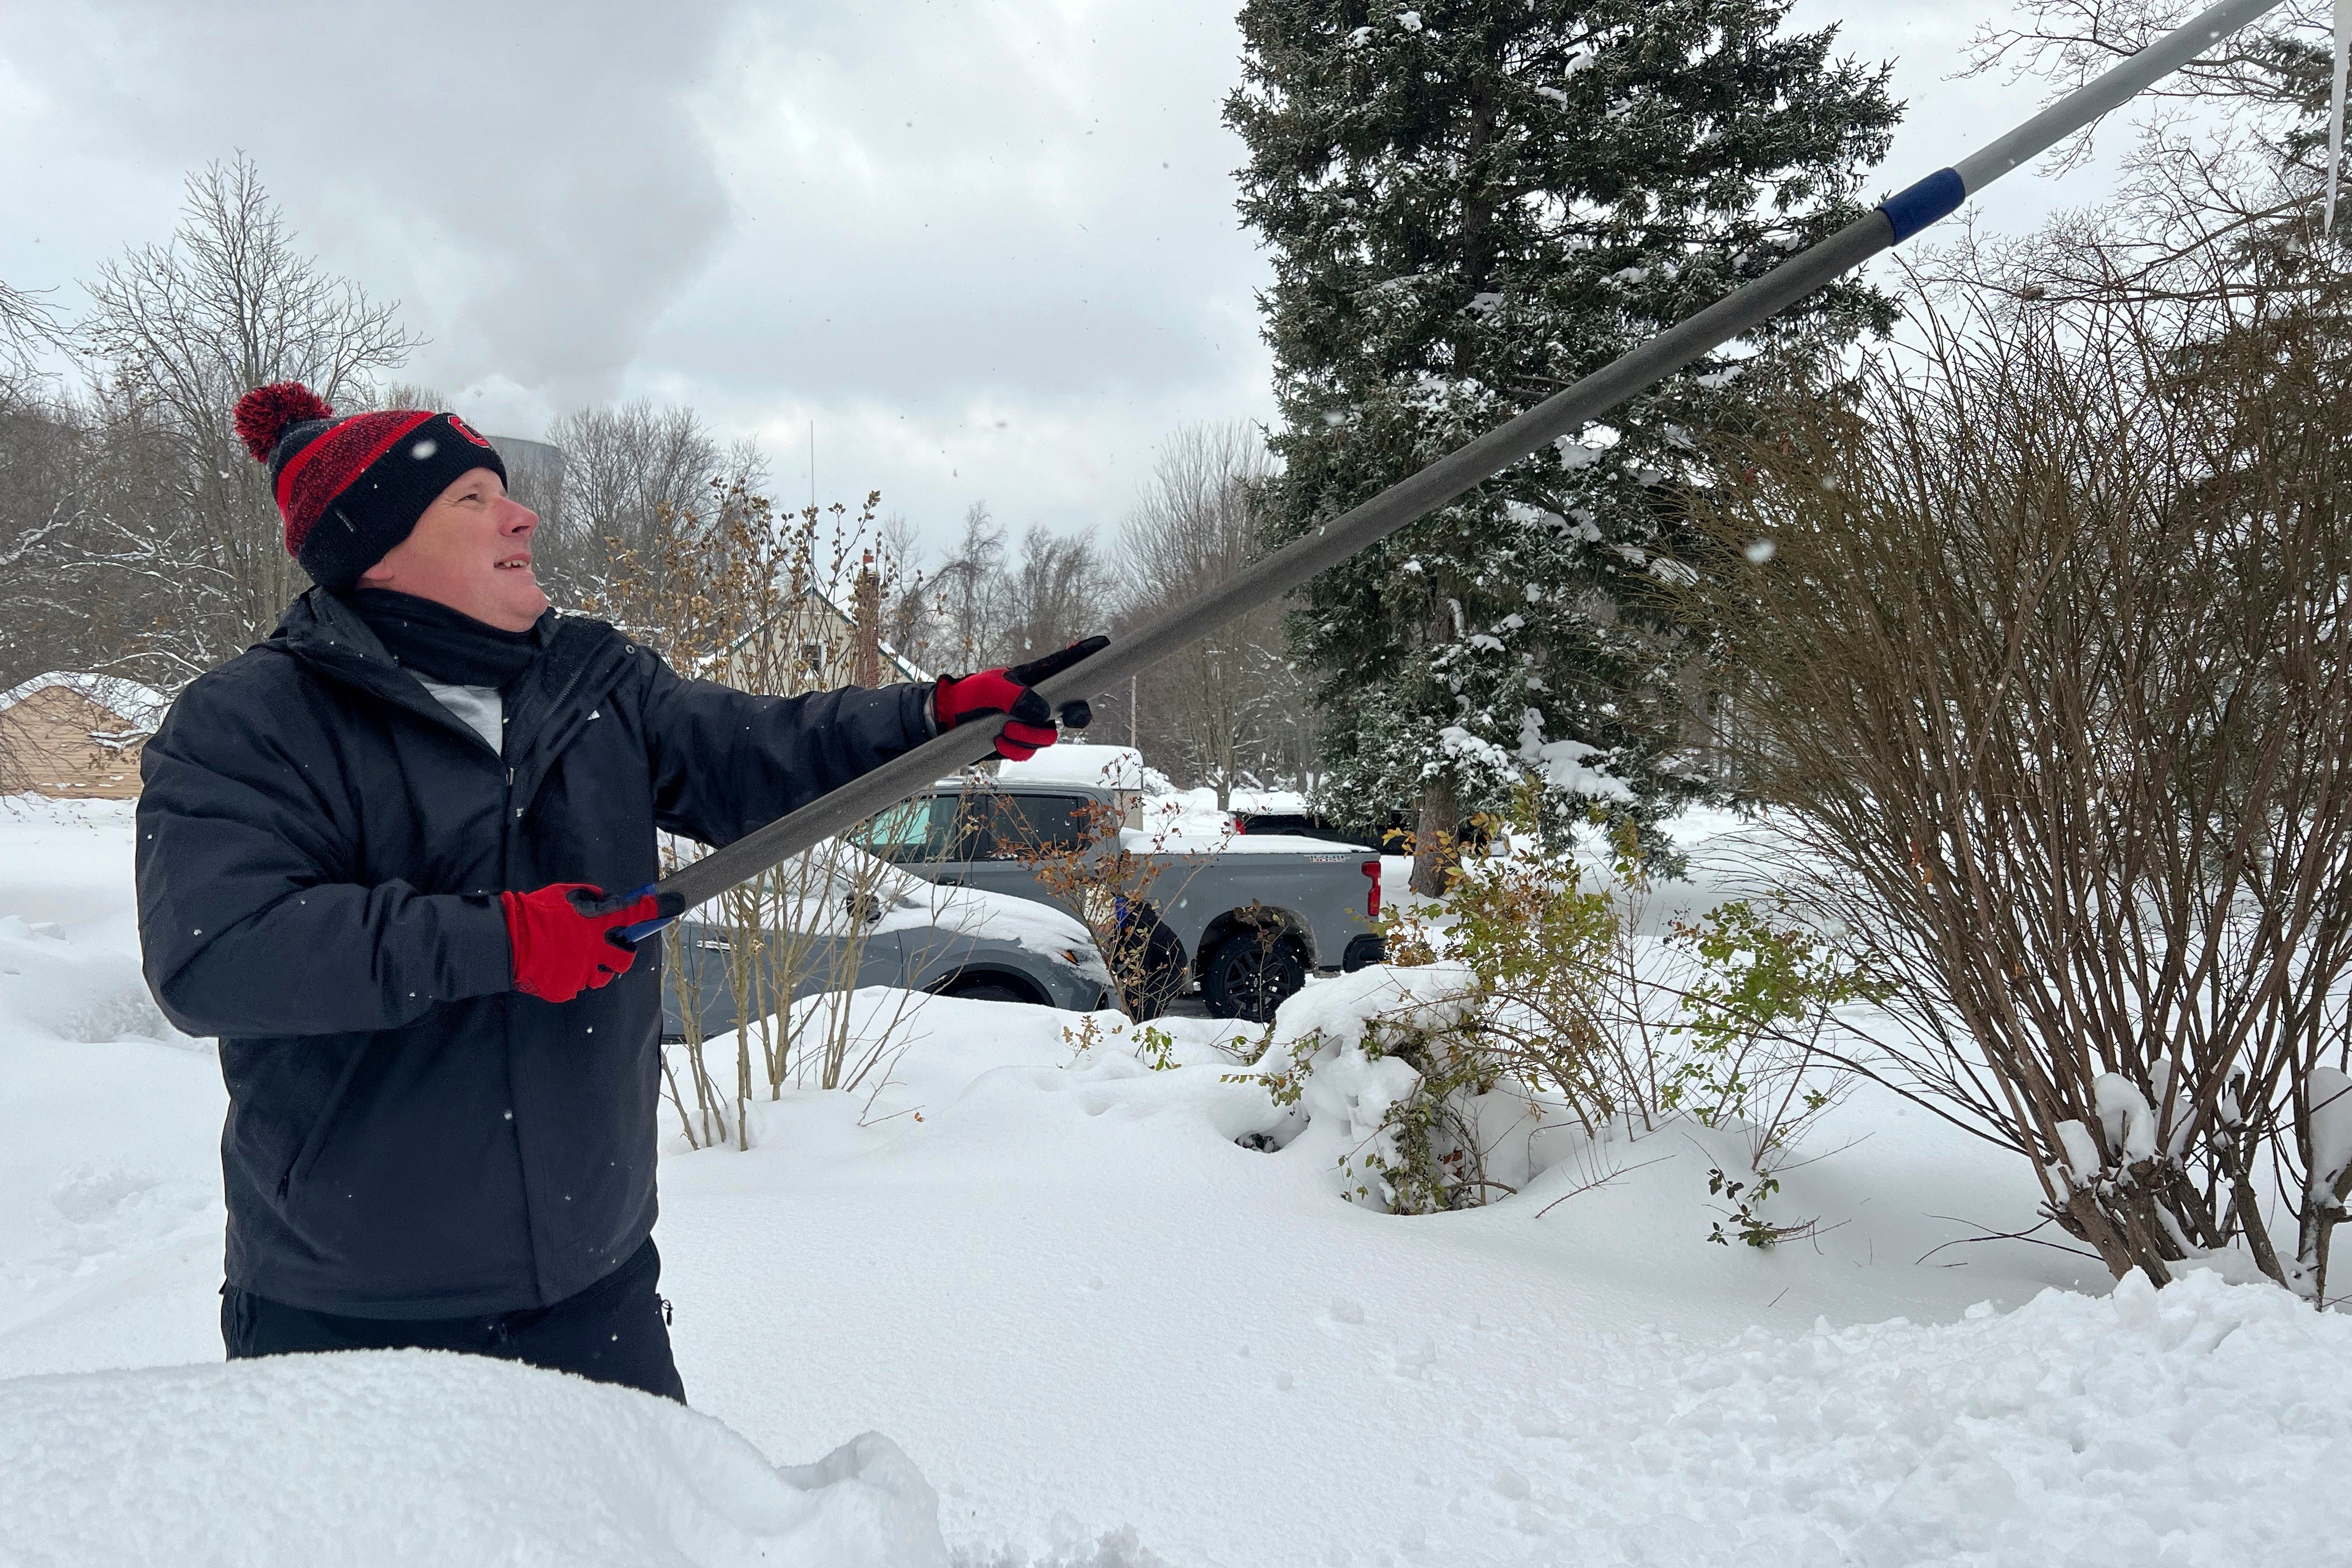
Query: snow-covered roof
pixel 1077 762
pixel 1282 802
pixel 823 599
pixel 140 706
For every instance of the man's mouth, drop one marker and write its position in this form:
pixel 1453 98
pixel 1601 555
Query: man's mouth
pixel 514 564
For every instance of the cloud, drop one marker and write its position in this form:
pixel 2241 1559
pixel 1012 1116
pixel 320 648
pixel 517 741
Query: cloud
pixel 533 181
pixel 987 248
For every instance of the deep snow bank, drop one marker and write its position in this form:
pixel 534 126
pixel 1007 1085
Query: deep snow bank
pixel 406 1457
pixel 73 992
pixel 2198 1425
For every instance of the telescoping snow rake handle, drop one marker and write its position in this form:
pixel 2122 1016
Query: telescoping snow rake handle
pixel 1566 412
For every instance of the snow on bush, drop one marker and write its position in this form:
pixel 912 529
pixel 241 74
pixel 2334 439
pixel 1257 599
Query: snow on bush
pixel 1528 1002
pixel 403 1458
pixel 1337 1061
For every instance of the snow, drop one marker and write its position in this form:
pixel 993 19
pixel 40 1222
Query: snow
pixel 1277 844
pixel 1269 802
pixel 1183 821
pixel 2082 1151
pixel 1082 762
pixel 1026 922
pixel 1347 1091
pixel 1100 1330
pixel 408 1456
pixel 2331 1127
pixel 832 879
pixel 1565 765
pixel 2124 1117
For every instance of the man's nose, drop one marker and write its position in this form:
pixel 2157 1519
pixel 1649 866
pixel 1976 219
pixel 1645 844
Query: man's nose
pixel 519 519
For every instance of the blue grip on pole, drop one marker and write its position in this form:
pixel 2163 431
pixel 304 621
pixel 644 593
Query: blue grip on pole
pixel 1912 209
pixel 634 934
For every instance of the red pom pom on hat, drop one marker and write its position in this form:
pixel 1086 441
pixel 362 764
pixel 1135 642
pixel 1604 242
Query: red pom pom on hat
pixel 263 414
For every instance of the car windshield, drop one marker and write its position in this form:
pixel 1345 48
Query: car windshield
pixel 910 832
pixel 976 827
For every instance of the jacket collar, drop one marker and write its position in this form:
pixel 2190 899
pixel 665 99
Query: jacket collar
pixel 320 632
pixel 579 661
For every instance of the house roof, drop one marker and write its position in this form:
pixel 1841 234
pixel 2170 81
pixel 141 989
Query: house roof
pixel 814 595
pixel 139 707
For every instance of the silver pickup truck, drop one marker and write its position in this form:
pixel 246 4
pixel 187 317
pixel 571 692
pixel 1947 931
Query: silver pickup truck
pixel 1246 917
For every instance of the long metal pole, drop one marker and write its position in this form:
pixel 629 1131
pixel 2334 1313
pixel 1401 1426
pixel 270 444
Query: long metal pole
pixel 1566 412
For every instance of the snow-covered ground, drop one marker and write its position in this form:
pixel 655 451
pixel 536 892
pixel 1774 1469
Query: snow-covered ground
pixel 1102 1332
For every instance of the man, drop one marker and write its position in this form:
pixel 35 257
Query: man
pixel 373 853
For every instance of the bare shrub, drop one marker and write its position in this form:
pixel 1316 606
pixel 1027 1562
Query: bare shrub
pixel 734 592
pixel 2045 657
pixel 1117 888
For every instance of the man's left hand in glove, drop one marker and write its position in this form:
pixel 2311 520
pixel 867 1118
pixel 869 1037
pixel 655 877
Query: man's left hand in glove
pixel 1028 720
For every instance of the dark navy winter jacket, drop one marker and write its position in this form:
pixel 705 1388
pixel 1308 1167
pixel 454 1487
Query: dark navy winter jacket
pixel 321 848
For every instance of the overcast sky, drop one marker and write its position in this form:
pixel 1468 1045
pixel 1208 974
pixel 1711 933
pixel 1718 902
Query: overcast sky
pixel 987 248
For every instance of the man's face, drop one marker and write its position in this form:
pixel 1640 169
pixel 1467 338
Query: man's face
pixel 470 551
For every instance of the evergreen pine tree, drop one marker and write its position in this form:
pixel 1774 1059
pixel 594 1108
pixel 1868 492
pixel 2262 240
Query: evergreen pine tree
pixel 1471 204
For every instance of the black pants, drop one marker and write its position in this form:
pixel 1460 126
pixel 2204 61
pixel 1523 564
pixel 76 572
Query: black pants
pixel 614 1331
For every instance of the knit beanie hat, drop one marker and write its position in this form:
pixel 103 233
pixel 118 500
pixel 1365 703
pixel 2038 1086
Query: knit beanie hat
pixel 350 490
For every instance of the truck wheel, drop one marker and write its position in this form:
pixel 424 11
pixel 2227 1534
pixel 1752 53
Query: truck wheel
pixel 1250 973
pixel 1146 996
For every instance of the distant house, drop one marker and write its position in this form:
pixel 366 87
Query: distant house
pixel 71 733
pixel 815 645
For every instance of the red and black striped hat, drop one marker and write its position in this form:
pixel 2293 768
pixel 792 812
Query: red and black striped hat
pixel 350 490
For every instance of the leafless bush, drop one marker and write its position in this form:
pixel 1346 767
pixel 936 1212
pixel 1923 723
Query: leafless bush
pixel 2047 654
pixel 1114 886
pixel 734 592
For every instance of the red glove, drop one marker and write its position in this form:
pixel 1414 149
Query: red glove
pixel 566 936
pixel 1028 721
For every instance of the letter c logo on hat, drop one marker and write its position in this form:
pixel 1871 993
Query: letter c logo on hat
pixel 464 429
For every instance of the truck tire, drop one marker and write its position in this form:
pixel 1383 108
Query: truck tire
pixel 1251 974
pixel 1164 975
